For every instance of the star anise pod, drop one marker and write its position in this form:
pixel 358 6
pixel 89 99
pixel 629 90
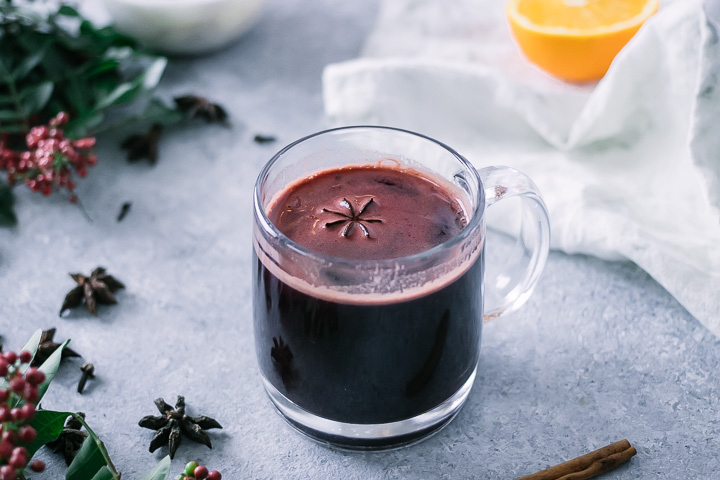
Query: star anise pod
pixel 173 423
pixel 99 287
pixel 143 145
pixel 351 217
pixel 70 440
pixel 47 346
pixel 199 107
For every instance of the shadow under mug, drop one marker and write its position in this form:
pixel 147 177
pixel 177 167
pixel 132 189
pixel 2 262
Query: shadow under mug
pixel 375 354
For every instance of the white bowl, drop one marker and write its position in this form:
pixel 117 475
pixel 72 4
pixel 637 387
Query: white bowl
pixel 184 27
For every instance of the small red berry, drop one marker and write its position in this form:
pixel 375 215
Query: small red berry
pixel 27 433
pixel 17 414
pixel 4 366
pixel 10 357
pixel 17 384
pixel 4 395
pixel 6 448
pixel 18 461
pixel 7 473
pixel 200 472
pixel 28 411
pixel 34 376
pixel 25 356
pixel 37 466
pixel 214 475
pixel 31 393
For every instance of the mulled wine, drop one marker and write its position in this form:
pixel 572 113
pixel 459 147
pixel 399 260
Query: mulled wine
pixel 368 356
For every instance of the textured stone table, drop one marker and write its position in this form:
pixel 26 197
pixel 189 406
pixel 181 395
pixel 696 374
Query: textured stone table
pixel 600 353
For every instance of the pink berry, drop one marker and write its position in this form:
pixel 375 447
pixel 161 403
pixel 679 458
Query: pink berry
pixel 37 466
pixel 28 411
pixel 200 472
pixel 31 393
pixel 34 376
pixel 7 473
pixel 6 448
pixel 17 384
pixel 10 357
pixel 27 433
pixel 25 356
pixel 214 475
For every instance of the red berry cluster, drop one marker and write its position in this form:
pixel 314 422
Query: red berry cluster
pixel 14 422
pixel 193 471
pixel 50 158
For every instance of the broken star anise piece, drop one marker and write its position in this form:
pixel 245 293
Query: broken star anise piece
pixel 70 440
pixel 199 107
pixel 99 287
pixel 173 423
pixel 47 346
pixel 143 146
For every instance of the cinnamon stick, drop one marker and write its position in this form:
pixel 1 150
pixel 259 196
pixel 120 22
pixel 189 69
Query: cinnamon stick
pixel 588 466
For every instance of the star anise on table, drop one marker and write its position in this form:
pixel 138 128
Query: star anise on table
pixel 143 145
pixel 173 423
pixel 352 218
pixel 99 287
pixel 70 440
pixel 199 107
pixel 47 346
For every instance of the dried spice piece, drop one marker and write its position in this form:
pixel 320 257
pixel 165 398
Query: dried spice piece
pixel 124 209
pixel 70 440
pixel 99 287
pixel 140 146
pixel 590 465
pixel 351 218
pixel 47 346
pixel 88 372
pixel 264 139
pixel 172 424
pixel 199 107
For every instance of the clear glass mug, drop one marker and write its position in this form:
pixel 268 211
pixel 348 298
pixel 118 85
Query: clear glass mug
pixel 375 354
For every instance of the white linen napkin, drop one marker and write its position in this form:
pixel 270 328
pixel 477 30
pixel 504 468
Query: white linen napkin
pixel 629 167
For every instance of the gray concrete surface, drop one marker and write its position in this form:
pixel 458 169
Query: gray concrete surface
pixel 600 353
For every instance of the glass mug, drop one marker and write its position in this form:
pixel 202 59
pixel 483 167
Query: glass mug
pixel 375 354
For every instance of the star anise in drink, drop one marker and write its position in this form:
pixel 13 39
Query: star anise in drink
pixel 99 287
pixel 173 423
pixel 70 440
pixel 350 218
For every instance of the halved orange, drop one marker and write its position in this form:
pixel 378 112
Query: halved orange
pixel 576 40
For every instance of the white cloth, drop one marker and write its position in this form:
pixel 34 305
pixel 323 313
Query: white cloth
pixel 629 167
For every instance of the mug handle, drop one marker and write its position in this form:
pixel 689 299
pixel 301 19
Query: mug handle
pixel 511 288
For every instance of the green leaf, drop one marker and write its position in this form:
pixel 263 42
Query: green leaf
pixel 30 62
pixel 34 99
pixel 7 203
pixel 129 91
pixel 161 471
pixel 50 367
pixel 48 424
pixel 9 115
pixel 88 461
pixel 68 11
pixel 103 474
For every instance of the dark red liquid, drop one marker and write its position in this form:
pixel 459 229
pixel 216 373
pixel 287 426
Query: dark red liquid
pixel 359 362
pixel 404 213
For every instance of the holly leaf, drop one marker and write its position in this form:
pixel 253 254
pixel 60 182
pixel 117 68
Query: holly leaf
pixel 7 202
pixel 161 471
pixel 49 425
pixel 88 463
